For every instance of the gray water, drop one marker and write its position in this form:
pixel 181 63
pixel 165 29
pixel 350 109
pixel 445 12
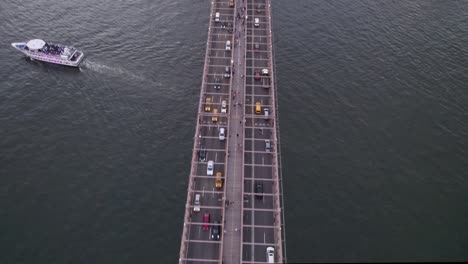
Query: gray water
pixel 373 102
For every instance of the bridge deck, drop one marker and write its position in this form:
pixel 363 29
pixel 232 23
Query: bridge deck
pixel 249 205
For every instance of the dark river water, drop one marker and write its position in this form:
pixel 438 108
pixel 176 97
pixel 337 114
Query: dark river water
pixel 94 162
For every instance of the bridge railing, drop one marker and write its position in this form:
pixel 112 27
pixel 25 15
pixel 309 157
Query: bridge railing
pixel 278 185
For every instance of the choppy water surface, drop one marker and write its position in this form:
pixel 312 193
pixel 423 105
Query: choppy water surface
pixel 374 117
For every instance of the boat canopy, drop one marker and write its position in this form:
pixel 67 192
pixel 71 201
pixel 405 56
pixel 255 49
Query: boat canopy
pixel 35 44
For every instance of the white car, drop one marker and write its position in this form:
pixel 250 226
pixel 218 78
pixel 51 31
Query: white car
pixel 228 45
pixel 257 22
pixel 210 168
pixel 266 111
pixel 270 252
pixel 217 16
pixel 224 106
pixel 222 134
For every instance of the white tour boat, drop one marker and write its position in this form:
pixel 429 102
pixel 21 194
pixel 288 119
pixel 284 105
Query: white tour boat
pixel 38 49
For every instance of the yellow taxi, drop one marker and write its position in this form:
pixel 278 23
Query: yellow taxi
pixel 214 119
pixel 208 104
pixel 258 108
pixel 219 180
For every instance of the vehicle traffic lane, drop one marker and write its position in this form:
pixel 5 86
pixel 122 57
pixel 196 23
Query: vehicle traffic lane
pixel 211 153
pixel 217 88
pixel 260 159
pixel 214 148
pixel 267 189
pixel 221 28
pixel 258 217
pixel 206 184
pixel 197 231
pixel 259 252
pixel 218 67
pixel 261 40
pixel 257 89
pixel 250 77
pixel 217 79
pixel 218 41
pixel 219 50
pixel 262 235
pixel 209 196
pixel 211 133
pixel 256 34
pixel 209 251
pixel 265 203
pixel 252 100
pixel 201 169
pixel 254 61
pixel 258 147
pixel 258 122
pixel 198 218
pixel 258 172
pixel 258 133
pixel 207 119
pixel 250 108
pixel 217 99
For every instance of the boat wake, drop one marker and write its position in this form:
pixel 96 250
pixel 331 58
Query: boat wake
pixel 114 71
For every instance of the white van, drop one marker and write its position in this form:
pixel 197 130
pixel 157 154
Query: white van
pixel 270 254
pixel 224 107
pixel 217 17
pixel 196 204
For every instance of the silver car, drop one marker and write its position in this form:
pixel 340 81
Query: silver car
pixel 267 145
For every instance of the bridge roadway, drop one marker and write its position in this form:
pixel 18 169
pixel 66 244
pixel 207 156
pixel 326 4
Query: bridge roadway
pixel 249 221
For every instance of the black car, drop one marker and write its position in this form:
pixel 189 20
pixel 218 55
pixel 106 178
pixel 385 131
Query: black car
pixel 229 27
pixel 217 84
pixel 215 231
pixel 202 154
pixel 258 190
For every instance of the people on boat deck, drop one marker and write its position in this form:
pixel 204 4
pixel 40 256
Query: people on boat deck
pixel 51 49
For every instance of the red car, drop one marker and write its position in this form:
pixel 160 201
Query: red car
pixel 206 220
pixel 257 75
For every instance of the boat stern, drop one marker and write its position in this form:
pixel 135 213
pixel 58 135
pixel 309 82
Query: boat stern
pixel 76 61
